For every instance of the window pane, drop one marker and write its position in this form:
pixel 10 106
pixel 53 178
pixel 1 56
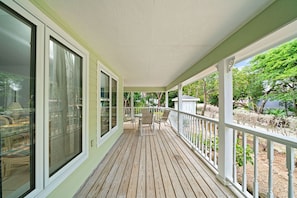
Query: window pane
pixel 104 86
pixel 17 104
pixel 105 123
pixel 65 106
pixel 104 117
pixel 114 103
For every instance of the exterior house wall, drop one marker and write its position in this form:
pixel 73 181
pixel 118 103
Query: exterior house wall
pixel 95 153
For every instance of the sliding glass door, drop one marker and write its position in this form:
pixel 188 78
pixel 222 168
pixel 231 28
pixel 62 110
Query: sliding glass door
pixel 43 90
pixel 17 103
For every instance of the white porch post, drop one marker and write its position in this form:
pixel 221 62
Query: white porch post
pixel 225 116
pixel 132 104
pixel 179 108
pixel 166 99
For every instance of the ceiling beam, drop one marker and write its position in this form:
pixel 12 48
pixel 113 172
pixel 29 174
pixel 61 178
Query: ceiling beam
pixel 144 89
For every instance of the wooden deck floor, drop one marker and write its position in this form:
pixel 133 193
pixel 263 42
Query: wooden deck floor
pixel 152 166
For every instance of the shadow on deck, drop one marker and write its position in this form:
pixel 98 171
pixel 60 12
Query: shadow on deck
pixel 161 165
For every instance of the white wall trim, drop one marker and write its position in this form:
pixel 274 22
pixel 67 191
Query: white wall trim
pixel 102 67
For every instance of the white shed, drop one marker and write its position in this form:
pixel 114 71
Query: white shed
pixel 188 104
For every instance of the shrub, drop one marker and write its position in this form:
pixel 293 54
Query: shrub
pixel 277 112
pixel 239 149
pixel 239 154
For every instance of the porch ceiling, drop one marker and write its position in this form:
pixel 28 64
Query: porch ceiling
pixel 151 43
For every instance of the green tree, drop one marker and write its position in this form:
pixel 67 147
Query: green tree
pixel 205 89
pixel 277 70
pixel 247 87
pixel 172 95
pixel 138 100
pixel 240 86
pixel 194 89
pixel 211 91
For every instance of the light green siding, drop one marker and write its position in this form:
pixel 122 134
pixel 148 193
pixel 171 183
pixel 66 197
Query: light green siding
pixel 71 184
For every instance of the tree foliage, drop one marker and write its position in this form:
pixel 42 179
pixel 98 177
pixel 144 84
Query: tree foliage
pixel 276 69
pixel 207 86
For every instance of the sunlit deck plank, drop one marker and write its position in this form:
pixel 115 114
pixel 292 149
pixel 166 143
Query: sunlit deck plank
pixel 194 168
pixel 98 176
pixel 112 169
pixel 128 171
pixel 185 166
pixel 152 166
pixel 140 191
pixel 150 184
pixel 176 161
pixel 120 172
pixel 132 189
pixel 172 174
pixel 167 184
pixel 159 187
pixel 201 172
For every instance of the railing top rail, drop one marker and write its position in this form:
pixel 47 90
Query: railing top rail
pixel 278 138
pixel 198 116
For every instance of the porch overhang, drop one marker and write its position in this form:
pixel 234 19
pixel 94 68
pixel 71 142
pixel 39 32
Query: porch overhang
pixel 131 39
pixel 276 16
pixel 145 89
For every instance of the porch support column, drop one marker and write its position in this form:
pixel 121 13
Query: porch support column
pixel 179 108
pixel 225 116
pixel 166 99
pixel 132 104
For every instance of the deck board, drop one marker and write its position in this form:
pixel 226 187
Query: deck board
pixel 159 187
pixel 167 184
pixel 159 166
pixel 127 172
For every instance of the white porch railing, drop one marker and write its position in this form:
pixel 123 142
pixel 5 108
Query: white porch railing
pixel 137 110
pixel 272 143
pixel 201 133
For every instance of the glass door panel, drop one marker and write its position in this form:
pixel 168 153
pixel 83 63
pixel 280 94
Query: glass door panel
pixel 17 103
pixel 65 106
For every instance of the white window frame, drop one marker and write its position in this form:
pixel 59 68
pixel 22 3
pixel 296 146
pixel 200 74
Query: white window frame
pixel 102 68
pixel 39 149
pixel 44 184
pixel 65 171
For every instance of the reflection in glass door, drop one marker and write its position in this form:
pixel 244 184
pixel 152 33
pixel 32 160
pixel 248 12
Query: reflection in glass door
pixel 17 103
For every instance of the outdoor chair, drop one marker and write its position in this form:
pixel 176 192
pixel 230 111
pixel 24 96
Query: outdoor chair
pixel 164 118
pixel 147 119
pixel 128 118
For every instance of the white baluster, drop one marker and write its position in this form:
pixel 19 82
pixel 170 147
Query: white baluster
pixel 234 156
pixel 256 151
pixel 290 167
pixel 270 156
pixel 215 145
pixel 210 141
pixel 203 136
pixel 244 182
